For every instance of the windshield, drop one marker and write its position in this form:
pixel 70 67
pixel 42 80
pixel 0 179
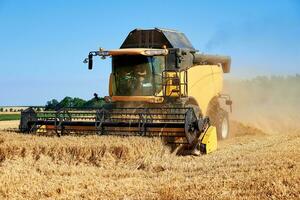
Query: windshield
pixel 138 75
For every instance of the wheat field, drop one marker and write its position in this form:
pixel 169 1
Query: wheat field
pixel 250 165
pixel 255 163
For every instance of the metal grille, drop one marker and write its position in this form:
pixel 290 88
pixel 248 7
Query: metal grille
pixel 151 122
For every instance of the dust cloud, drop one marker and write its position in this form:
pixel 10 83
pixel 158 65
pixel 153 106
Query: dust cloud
pixel 268 103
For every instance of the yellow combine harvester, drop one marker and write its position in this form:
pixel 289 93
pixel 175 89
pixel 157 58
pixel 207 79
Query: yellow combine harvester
pixel 159 86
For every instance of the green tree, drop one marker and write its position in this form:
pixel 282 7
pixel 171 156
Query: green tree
pixel 74 103
pixel 77 102
pixel 51 105
pixel 66 102
pixel 1 109
pixel 71 102
pixel 95 103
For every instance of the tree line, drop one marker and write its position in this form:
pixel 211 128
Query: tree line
pixel 75 102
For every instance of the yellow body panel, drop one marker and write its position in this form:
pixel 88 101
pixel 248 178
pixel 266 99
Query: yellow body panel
pixel 204 83
pixel 209 140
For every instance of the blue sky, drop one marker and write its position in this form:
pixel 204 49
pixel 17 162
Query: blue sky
pixel 43 43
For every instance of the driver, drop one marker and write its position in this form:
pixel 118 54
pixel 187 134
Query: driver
pixel 143 83
pixel 141 72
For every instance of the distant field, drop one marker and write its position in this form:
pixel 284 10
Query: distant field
pixel 8 117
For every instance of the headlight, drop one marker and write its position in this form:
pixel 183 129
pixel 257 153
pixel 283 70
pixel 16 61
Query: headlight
pixel 154 52
pixel 103 53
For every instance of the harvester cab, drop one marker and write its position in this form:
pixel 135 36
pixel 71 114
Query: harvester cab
pixel 159 86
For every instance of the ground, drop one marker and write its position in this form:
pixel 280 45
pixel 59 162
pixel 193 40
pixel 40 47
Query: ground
pixel 250 165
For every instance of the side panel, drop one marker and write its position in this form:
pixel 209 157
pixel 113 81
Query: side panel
pixel 204 82
pixel 218 78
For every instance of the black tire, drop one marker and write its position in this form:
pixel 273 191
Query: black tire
pixel 220 119
pixel 198 115
pixel 223 125
pixel 196 108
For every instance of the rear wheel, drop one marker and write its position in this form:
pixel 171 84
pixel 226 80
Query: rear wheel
pixel 222 125
pixel 220 119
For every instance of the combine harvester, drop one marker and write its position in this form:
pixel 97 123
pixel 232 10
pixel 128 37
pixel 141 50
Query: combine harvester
pixel 159 86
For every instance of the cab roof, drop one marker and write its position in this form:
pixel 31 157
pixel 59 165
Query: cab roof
pixel 157 38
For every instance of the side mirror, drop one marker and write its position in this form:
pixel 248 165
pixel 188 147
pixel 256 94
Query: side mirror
pixel 90 61
pixel 228 102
